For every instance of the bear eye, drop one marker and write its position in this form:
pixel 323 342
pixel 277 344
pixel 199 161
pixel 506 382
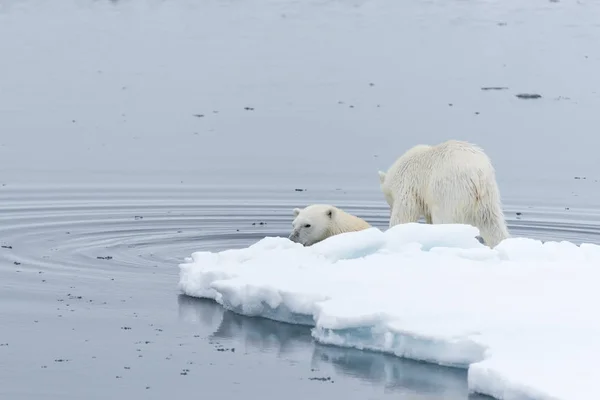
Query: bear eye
pixel 307 226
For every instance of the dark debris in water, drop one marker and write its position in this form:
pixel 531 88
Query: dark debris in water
pixel 104 258
pixel 126 328
pixel 494 88
pixel 6 247
pixel 580 177
pixel 322 379
pixel 17 263
pixel 219 347
pixel 249 108
pixel 137 217
pixel 300 190
pixel 259 223
pixel 199 115
pixel 60 360
pixel 223 349
pixel 527 96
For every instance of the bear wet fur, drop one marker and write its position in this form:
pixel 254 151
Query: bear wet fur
pixel 450 183
pixel 317 222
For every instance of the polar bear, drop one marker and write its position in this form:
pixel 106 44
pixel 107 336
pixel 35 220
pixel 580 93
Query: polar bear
pixel 452 182
pixel 317 222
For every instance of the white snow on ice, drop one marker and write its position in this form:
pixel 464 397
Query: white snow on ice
pixel 523 317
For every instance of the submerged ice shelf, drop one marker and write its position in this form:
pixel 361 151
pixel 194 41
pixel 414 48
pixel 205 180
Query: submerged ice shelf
pixel 520 317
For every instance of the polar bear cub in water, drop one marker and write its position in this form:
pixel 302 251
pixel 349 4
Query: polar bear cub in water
pixel 317 222
pixel 452 182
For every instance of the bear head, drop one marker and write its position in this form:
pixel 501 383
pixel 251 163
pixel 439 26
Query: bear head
pixel 312 224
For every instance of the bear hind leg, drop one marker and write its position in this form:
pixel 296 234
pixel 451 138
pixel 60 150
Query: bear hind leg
pixel 492 232
pixel 491 225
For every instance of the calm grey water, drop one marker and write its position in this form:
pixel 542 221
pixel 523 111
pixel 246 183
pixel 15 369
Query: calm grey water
pixel 133 133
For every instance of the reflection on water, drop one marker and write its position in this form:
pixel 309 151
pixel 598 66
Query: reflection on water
pixel 394 375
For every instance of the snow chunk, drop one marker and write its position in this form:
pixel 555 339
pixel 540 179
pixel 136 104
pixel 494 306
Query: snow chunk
pixel 519 317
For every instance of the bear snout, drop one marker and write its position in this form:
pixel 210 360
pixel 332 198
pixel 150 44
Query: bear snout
pixel 293 237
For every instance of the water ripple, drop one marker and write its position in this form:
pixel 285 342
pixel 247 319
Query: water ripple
pixel 137 228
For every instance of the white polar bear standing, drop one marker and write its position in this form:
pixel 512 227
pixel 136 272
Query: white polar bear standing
pixel 317 222
pixel 452 182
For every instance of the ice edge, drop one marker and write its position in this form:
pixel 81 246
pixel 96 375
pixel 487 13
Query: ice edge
pixel 377 336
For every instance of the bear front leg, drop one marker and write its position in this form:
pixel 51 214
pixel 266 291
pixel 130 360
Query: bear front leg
pixel 428 219
pixel 404 213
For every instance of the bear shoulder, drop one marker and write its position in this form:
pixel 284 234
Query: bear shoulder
pixel 341 222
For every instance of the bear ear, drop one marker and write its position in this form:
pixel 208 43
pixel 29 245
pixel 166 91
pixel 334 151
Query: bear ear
pixel 381 177
pixel 329 212
pixel 296 212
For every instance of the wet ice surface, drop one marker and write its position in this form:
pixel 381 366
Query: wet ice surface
pixel 203 119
